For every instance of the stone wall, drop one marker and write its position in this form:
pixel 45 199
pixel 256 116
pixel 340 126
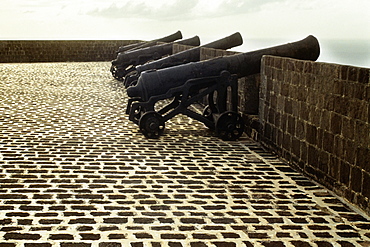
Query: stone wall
pixel 316 116
pixel 28 51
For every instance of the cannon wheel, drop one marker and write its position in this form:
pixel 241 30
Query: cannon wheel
pixel 229 126
pixel 130 81
pixel 207 113
pixel 117 73
pixel 151 124
pixel 137 113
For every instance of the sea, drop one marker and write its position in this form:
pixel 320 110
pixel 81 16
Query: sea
pixel 346 52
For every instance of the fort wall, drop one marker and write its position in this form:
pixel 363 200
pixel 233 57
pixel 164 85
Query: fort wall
pixel 317 116
pixel 314 115
pixel 30 51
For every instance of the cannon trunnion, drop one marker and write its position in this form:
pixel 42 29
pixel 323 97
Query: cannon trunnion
pixel 216 79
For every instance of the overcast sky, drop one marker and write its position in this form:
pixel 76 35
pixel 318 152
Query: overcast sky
pixel 273 20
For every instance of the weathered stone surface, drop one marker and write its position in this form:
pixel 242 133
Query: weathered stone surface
pixel 329 137
pixel 26 51
pixel 94 180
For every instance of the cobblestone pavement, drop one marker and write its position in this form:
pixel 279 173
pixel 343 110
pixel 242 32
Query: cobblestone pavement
pixel 76 172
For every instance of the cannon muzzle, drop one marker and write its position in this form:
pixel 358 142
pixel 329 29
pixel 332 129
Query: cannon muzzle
pixel 169 38
pixel 158 82
pixel 226 43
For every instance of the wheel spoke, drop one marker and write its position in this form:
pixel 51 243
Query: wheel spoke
pixel 151 124
pixel 229 126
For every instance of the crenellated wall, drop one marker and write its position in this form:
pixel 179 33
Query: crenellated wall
pixel 29 51
pixel 317 117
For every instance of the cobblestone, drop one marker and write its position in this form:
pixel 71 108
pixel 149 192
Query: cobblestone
pixel 76 172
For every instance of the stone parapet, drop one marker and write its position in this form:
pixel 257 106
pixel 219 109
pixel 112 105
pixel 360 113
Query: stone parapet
pixel 176 48
pixel 208 53
pixel 316 116
pixel 28 51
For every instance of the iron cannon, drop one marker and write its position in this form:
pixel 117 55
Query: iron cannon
pixel 169 38
pixel 216 79
pixel 187 56
pixel 126 61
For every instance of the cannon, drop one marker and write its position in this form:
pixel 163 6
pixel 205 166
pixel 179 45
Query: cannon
pixel 215 79
pixel 169 38
pixel 187 56
pixel 126 61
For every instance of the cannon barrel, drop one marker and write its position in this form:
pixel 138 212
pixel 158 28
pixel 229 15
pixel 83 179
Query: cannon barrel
pixel 228 42
pixel 158 82
pixel 161 49
pixel 132 58
pixel 169 38
pixel 131 46
pixel 191 55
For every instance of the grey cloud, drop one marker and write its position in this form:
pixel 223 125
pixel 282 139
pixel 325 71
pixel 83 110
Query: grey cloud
pixel 181 9
pixel 232 7
pixel 46 3
pixel 128 10
pixel 175 10
pixel 240 6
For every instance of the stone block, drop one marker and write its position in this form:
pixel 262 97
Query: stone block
pixel 363 158
pixel 344 173
pixel 353 73
pixel 336 124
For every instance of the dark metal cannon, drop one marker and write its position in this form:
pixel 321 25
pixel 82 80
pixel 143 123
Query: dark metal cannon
pixel 169 38
pixel 126 61
pixel 187 56
pixel 187 84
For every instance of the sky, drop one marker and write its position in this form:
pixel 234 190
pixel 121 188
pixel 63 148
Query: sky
pixel 341 26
